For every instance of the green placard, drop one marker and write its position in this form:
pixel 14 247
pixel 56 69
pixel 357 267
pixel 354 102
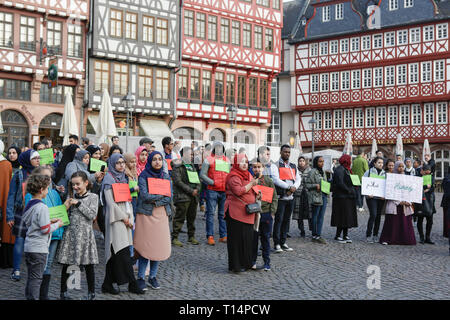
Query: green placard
pixel 355 180
pixel 325 186
pixel 96 165
pixel 373 175
pixel 133 184
pixel 59 212
pixel 222 166
pixel 427 180
pixel 193 176
pixel 46 156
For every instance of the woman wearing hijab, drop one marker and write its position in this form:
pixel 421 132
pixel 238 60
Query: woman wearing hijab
pixel 152 234
pixel 141 159
pixel 80 163
pixel 398 226
pixel 15 204
pixel 13 157
pixel 317 199
pixel 118 231
pixel 240 224
pixel 343 214
pixel 104 150
pixel 130 171
pixel 7 239
pixel 68 155
pixel 95 153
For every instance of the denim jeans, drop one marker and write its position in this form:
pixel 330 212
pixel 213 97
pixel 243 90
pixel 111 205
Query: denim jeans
pixel 142 266
pixel 282 220
pixel 359 197
pixel 265 228
pixel 375 208
pixel 18 253
pixel 214 198
pixel 51 256
pixel 318 213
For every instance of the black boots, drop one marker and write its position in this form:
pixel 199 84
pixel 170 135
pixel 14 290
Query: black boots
pixel 428 233
pixel 43 294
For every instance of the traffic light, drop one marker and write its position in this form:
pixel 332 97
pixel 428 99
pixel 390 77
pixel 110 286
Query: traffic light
pixel 52 73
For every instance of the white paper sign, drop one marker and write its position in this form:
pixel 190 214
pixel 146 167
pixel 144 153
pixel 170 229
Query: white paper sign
pixel 373 187
pixel 401 187
pixel 327 163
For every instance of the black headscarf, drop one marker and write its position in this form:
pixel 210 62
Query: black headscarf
pixel 316 164
pixel 14 164
pixel 68 155
pixel 92 149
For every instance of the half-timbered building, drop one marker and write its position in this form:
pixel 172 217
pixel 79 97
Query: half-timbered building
pixel 29 109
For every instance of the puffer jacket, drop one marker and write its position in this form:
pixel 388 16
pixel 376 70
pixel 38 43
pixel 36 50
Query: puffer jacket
pixel 314 178
pixel 182 188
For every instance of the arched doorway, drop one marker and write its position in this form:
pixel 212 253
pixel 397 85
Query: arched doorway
pixel 15 129
pixel 187 133
pixel 244 136
pixel 50 127
pixel 217 135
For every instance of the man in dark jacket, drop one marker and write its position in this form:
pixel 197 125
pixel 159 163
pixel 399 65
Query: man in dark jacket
pixel 186 186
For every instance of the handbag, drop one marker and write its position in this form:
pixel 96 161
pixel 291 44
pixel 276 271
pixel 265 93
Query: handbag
pixel 250 208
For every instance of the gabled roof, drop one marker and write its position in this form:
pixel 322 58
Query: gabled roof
pixel 292 14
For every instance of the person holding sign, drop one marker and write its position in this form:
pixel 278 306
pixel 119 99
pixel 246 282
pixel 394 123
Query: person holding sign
pixel 169 155
pixel 398 227
pixel 78 245
pixel 343 212
pixel 131 172
pixel 215 169
pixel 119 222
pixel 359 167
pixel 141 159
pixel 302 209
pixel 152 233
pixel 426 209
pixel 186 185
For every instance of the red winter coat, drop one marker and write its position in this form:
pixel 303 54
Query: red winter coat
pixel 219 177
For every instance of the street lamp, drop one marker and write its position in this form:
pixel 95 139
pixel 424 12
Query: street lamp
pixel 312 126
pixel 232 115
pixel 127 102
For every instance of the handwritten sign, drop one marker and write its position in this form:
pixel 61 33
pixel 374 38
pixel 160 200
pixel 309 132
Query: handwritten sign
pixel 266 192
pixel 325 186
pixel 355 180
pixel 121 192
pixel 46 156
pixel 59 212
pixel 169 164
pixel 222 166
pixel 133 184
pixel 96 165
pixel 373 175
pixel 373 187
pixel 193 176
pixel 286 174
pixel 159 186
pixel 427 180
pixel 401 187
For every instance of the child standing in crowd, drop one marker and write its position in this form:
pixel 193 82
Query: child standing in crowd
pixel 78 245
pixel 36 220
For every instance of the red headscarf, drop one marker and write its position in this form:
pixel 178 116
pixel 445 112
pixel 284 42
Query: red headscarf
pixel 140 166
pixel 346 161
pixel 237 171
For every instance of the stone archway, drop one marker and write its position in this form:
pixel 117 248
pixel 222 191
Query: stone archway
pixel 49 128
pixel 15 129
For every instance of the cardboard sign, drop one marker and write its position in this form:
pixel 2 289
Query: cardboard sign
pixel 193 176
pixel 59 212
pixel 169 164
pixel 325 186
pixel 373 175
pixel 286 174
pixel 355 180
pixel 373 187
pixel 133 184
pixel 121 192
pixel 401 187
pixel 222 166
pixel 159 186
pixel 427 180
pixel 267 193
pixel 96 165
pixel 24 189
pixel 46 156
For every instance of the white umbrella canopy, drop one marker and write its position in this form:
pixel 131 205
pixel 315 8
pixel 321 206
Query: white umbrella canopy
pixel 106 128
pixel 328 152
pixel 426 149
pixel 348 147
pixel 69 123
pixel 373 152
pixel 399 146
pixel 300 149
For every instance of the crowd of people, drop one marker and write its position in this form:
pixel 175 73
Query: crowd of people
pixel 130 200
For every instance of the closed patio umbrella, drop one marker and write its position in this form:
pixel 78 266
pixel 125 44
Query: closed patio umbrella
pixel 106 128
pixel 399 146
pixel 348 147
pixel 69 123
pixel 373 152
pixel 426 149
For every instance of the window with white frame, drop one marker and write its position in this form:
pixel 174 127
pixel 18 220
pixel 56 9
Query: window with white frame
pixel 413 73
pixel 370 117
pixel 356 79
pixel 318 118
pixel 365 43
pixel 348 116
pixel 442 31
pixel 401 74
pixel 323 48
pixel 409 3
pixel 324 78
pixel 393 5
pixel 428 113
pixel 389 39
pixel 381 117
pixel 439 66
pixel 326 14
pixel 390 75
pixel 416 114
pixel 359 118
pixel 355 45
pixel 327 120
pixel 404 115
pixel 367 78
pixel 339 9
pixel 345 80
pixel 414 35
pixel 393 116
pixel 402 37
pixel 441 111
pixel 334 47
pixel 377 41
pixel 313 49
pixel 335 81
pixel 378 77
pixel 337 119
pixel 315 83
pixel 426 71
pixel 344 45
pixel 428 33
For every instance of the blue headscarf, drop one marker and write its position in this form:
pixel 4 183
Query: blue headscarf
pixel 113 176
pixel 25 162
pixel 152 172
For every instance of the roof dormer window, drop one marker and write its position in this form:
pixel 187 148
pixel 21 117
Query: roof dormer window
pixel 409 3
pixel 339 11
pixel 393 5
pixel 326 14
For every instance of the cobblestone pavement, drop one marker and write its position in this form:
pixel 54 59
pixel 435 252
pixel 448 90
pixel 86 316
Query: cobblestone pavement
pixel 311 271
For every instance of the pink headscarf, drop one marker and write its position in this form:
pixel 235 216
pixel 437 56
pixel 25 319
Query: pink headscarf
pixel 140 166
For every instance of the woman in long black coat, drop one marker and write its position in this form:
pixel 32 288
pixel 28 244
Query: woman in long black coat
pixel 343 212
